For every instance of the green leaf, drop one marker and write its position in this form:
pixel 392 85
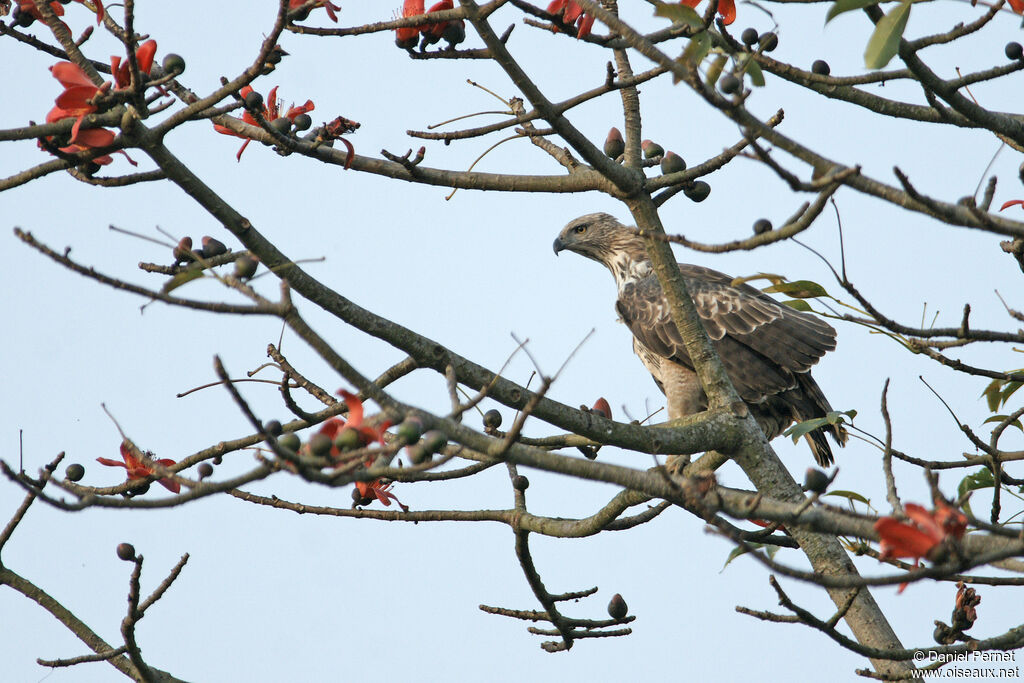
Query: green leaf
pixel 1009 390
pixel 800 289
pixel 992 394
pixel 1000 418
pixel 797 304
pixel 679 14
pixel 885 41
pixel 715 70
pixel 736 552
pixel 697 49
pixel 850 495
pixel 181 278
pixel 841 6
pixel 982 479
pixel 753 70
pixel 801 428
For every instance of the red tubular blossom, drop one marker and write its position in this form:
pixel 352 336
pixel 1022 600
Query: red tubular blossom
pixel 1017 6
pixel 136 469
pixel 331 8
pixel 726 9
pixel 77 99
pixel 572 14
pixel 406 38
pixel 271 111
pixel 143 56
pixel 922 537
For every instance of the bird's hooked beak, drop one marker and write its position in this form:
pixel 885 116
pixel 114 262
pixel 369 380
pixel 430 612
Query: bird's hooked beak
pixel 559 245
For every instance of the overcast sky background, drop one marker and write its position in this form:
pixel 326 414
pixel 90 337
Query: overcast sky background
pixel 269 595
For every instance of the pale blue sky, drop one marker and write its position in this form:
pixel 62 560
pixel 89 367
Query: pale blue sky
pixel 271 596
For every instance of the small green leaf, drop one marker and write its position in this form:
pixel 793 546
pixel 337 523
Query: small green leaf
pixel 982 479
pixel 992 394
pixel 679 14
pixel 797 304
pixel 885 40
pixel 841 6
pixel 181 278
pixel 753 70
pixel 736 552
pixel 850 495
pixel 802 428
pixel 715 70
pixel 1000 418
pixel 1009 390
pixel 800 289
pixel 697 49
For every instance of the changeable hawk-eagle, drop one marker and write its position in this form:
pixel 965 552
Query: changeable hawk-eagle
pixel 767 348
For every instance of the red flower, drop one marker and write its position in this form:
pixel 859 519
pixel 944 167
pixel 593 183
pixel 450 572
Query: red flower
pixel 406 38
pixel 368 490
pixel 1013 202
pixel 137 469
pixel 30 7
pixel 602 408
pixel 76 100
pixel 726 8
pixel 572 13
pixel 923 536
pixel 1017 6
pixel 271 111
pixel 433 32
pixel 329 6
pixel 144 58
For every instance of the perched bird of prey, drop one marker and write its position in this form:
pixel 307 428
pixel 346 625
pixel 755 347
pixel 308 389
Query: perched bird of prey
pixel 767 348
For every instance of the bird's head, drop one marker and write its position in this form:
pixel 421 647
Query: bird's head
pixel 594 236
pixel 599 236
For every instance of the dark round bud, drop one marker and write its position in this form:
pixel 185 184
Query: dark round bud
pixel 434 440
pixel 90 168
pixel 769 41
pixel 273 427
pixel 218 459
pixel 275 55
pixel 320 445
pixel 454 32
pixel 213 247
pixel 617 608
pixel 245 267
pixel 417 454
pixel 729 84
pixel 815 481
pixel 520 483
pixel 651 149
pixel 349 439
pixel 74 472
pixel 282 125
pixel 138 490
pixel 407 43
pixel 1013 51
pixel 290 441
pixel 23 19
pixel 1020 173
pixel 205 470
pixel 410 430
pixel 173 64
pixel 614 144
pixel 492 419
pixel 820 67
pixel 126 551
pixel 183 252
pixel 301 14
pixel 749 36
pixel 357 498
pixel 303 122
pixel 697 192
pixel 254 101
pixel 762 225
pixel 672 163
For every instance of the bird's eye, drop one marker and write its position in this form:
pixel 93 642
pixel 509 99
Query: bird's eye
pixel 580 229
